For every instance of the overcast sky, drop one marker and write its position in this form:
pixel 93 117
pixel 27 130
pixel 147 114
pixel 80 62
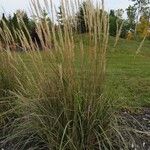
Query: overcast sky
pixel 9 6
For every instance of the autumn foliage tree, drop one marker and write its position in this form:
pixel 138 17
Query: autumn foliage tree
pixel 143 28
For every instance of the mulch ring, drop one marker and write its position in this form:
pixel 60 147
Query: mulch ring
pixel 140 123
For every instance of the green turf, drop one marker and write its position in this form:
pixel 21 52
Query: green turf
pixel 128 74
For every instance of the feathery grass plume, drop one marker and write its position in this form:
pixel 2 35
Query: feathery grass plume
pixel 59 103
pixel 141 44
pixel 118 33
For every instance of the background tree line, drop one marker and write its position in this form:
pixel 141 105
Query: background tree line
pixel 136 25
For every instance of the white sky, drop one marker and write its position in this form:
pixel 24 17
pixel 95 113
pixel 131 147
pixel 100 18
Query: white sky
pixel 9 6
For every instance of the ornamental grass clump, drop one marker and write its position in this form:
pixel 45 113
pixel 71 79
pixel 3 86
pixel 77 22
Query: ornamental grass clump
pixel 59 102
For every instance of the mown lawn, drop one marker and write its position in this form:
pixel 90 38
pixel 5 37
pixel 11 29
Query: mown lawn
pixel 128 73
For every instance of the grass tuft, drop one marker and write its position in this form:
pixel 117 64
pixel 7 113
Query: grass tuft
pixel 58 93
